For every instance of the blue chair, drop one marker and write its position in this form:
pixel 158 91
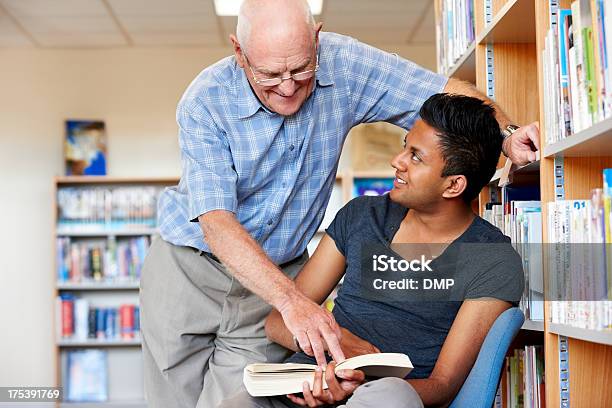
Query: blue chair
pixel 480 387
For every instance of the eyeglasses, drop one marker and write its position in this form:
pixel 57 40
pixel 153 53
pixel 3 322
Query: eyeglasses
pixel 271 80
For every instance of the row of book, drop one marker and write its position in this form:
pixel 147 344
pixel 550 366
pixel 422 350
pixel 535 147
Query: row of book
pixel 578 254
pixel 580 270
pixel 110 260
pixel 107 207
pixel 577 68
pixel 524 380
pixel 79 320
pixel 456 31
pixel 519 216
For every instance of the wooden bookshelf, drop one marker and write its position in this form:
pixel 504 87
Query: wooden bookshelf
pixel 533 325
pixel 516 35
pixel 518 171
pixel 592 142
pixel 508 25
pixel 593 336
pixel 465 67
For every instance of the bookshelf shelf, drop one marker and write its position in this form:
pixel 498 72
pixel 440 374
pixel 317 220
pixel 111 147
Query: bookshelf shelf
pixel 531 168
pixel 533 325
pixel 504 28
pixel 465 67
pixel 89 180
pixel 593 336
pixel 99 343
pixel 129 285
pixel 108 404
pixel 594 141
pixel 102 232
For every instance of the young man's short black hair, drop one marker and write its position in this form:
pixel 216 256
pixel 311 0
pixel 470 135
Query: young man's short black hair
pixel 470 138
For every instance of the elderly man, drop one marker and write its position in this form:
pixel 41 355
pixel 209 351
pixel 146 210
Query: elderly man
pixel 260 135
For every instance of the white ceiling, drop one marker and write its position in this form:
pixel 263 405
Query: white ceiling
pixel 141 23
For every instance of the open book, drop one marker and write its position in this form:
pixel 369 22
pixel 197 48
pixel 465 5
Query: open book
pixel 263 380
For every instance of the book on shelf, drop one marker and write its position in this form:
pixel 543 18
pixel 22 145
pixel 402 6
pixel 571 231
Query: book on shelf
pixel 80 321
pixel 86 376
pixel 287 378
pixel 522 222
pixel 580 262
pixel 525 378
pixel 456 31
pixel 519 216
pixel 577 68
pixel 109 260
pixel 107 208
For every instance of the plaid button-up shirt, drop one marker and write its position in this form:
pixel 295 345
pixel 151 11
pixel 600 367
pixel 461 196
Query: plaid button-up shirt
pixel 276 173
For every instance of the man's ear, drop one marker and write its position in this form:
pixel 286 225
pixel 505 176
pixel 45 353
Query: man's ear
pixel 455 186
pixel 237 50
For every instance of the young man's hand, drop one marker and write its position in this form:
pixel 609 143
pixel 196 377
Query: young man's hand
pixel 336 391
pixel 353 345
pixel 314 328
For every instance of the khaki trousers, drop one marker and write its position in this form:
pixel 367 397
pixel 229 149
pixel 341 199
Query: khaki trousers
pixel 200 327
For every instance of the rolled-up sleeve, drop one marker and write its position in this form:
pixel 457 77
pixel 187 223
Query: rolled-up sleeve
pixel 207 162
pixel 386 87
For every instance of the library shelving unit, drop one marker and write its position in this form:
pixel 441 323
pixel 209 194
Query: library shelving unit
pixel 505 61
pixel 123 355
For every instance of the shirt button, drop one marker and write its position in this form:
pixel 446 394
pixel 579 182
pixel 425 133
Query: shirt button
pixel 269 222
pixel 291 147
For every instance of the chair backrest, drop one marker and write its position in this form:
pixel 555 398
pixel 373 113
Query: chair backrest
pixel 480 387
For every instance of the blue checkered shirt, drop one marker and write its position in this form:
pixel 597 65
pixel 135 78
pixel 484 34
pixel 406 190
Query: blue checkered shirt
pixel 276 173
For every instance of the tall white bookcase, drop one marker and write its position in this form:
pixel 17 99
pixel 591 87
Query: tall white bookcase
pixel 124 358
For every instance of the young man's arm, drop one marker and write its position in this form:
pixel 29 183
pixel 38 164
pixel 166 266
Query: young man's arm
pixel 459 351
pixel 316 281
pixel 518 146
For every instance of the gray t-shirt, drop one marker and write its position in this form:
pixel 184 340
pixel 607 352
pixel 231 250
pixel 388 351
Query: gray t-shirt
pixel 481 262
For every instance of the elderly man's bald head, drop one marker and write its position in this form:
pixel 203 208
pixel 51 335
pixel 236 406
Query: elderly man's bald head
pixel 269 20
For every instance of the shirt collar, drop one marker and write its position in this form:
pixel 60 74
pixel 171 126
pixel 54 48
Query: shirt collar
pixel 324 74
pixel 249 103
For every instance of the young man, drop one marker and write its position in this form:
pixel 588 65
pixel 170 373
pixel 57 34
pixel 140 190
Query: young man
pixel 449 155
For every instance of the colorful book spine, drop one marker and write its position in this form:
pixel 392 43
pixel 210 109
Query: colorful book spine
pixel 78 320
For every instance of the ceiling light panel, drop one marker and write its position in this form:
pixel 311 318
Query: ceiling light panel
pixel 232 7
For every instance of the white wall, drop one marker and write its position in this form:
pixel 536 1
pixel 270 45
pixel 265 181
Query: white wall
pixel 135 92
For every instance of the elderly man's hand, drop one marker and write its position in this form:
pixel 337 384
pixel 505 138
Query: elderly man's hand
pixel 521 146
pixel 314 328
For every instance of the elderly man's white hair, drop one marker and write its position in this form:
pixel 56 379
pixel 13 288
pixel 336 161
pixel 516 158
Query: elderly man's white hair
pixel 243 28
